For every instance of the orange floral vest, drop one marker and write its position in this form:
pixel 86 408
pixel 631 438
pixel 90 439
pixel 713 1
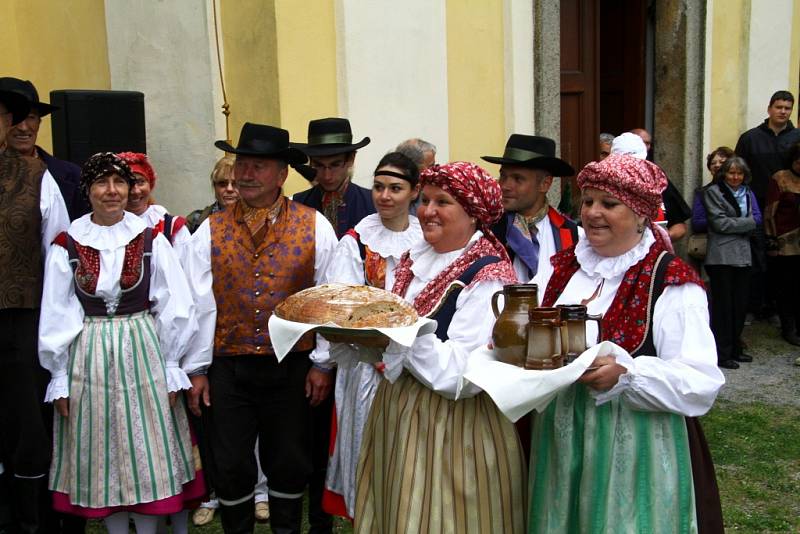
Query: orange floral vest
pixel 250 281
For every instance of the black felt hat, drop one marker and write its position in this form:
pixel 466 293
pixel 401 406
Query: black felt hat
pixel 328 137
pixel 264 141
pixel 27 90
pixel 16 104
pixel 534 152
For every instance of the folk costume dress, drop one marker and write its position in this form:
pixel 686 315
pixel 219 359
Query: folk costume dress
pixel 431 463
pixel 117 315
pixel 624 460
pixel 366 255
pixel 173 227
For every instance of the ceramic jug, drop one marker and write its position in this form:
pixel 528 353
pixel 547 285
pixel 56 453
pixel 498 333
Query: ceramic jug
pixel 575 316
pixel 510 329
pixel 547 339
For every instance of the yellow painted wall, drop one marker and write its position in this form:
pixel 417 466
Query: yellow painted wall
pixel 250 62
pixel 729 71
pixel 307 88
pixel 794 61
pixel 56 45
pixel 475 73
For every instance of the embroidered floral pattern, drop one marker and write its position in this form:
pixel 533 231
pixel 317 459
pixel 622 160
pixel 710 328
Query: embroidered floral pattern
pixel 625 321
pixel 436 288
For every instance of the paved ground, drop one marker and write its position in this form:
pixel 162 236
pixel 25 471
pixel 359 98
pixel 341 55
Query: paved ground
pixel 772 376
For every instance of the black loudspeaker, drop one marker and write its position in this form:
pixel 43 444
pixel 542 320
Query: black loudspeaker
pixel 96 121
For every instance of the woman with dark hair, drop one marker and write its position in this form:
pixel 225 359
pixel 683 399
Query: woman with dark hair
pixel 714 161
pixel 732 216
pixel 782 226
pixel 367 255
pixel 620 450
pixel 437 454
pixel 117 315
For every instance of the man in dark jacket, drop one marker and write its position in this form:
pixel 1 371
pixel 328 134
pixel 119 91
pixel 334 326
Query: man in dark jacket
pixel 332 153
pixel 764 147
pixel 22 138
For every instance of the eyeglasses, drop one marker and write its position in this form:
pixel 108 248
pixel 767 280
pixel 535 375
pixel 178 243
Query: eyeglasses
pixel 335 166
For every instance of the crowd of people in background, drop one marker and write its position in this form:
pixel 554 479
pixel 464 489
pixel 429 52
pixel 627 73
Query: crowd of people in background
pixel 138 381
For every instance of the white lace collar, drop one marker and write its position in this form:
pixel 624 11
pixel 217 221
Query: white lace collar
pixel 593 264
pixel 386 242
pixel 428 263
pixel 89 234
pixel 153 215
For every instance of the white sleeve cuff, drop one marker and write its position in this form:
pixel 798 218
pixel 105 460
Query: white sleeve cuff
pixel 177 378
pixel 58 387
pixel 394 357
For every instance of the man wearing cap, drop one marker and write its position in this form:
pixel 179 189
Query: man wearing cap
pixel 32 213
pixel 243 261
pixel 530 229
pixel 332 153
pixel 22 138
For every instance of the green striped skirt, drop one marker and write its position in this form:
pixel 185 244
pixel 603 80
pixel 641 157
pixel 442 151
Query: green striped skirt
pixel 609 469
pixel 121 444
pixel 433 465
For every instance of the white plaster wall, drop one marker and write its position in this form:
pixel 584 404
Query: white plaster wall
pixel 518 22
pixel 392 62
pixel 166 50
pixel 770 48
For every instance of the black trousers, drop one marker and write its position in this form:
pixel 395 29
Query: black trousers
pixel 319 521
pixel 786 270
pixel 730 290
pixel 24 442
pixel 255 396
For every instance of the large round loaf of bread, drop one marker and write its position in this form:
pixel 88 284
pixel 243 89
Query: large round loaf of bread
pixel 347 306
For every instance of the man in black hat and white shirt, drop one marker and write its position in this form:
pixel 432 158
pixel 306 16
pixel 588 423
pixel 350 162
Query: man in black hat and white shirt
pixel 32 213
pixel 532 230
pixel 332 154
pixel 22 138
pixel 242 262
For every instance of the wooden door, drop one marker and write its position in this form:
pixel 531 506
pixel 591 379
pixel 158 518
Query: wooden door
pixel 622 65
pixel 579 83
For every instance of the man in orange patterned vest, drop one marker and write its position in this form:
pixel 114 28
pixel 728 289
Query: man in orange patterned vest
pixel 242 262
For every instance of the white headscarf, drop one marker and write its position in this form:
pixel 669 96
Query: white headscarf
pixel 630 144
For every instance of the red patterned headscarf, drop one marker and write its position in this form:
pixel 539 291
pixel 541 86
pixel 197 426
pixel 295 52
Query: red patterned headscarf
pixel 638 183
pixel 472 187
pixel 139 164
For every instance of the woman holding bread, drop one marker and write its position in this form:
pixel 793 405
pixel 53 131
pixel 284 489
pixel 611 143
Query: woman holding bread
pixel 367 255
pixel 437 455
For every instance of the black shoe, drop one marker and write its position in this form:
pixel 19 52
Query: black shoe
pixel 729 364
pixel 746 358
pixel 791 338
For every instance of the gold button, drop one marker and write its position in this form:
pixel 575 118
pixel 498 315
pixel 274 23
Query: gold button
pixel 258 311
pixel 258 348
pixel 258 330
pixel 258 293
pixel 255 255
pixel 257 275
pixel 271 293
pixel 269 254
